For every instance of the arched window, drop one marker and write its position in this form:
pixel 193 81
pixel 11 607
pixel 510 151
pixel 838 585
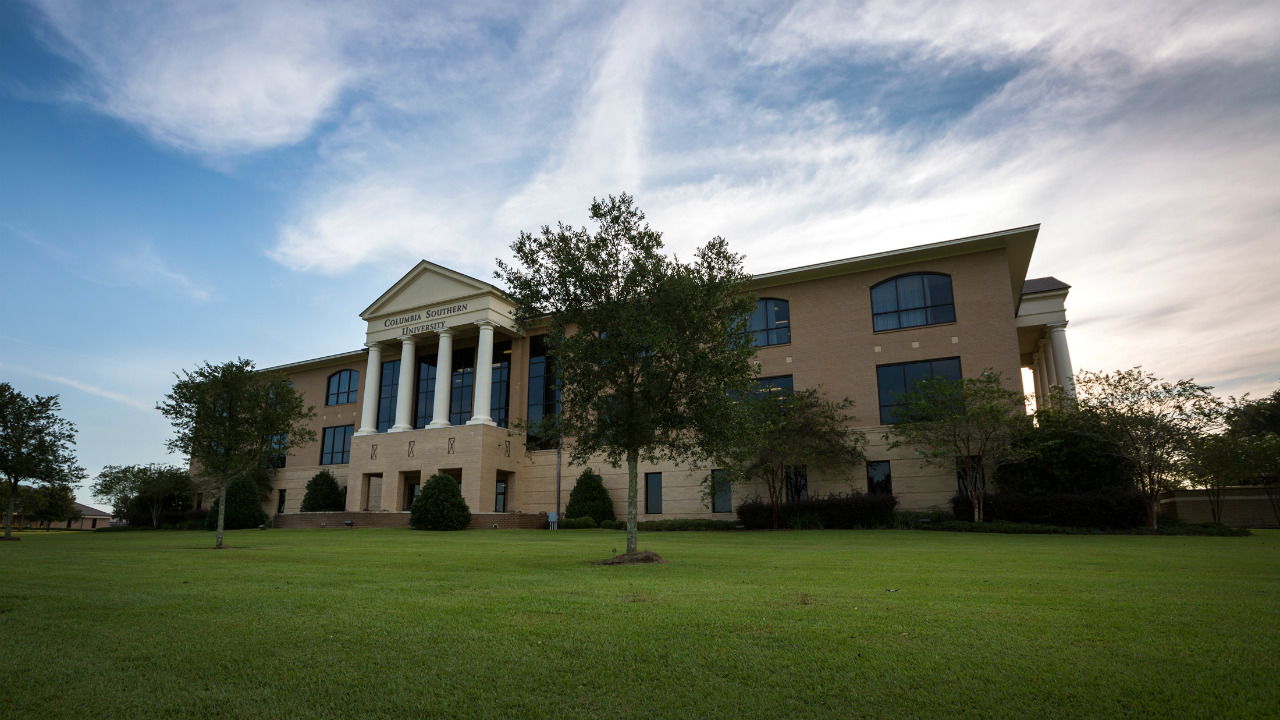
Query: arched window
pixel 342 387
pixel 770 324
pixel 911 301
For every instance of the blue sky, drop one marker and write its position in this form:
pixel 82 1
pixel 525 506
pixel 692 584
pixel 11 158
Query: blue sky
pixel 182 182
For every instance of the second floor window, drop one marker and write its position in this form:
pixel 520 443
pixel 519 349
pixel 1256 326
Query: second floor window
pixel 893 382
pixel 336 449
pixel 342 387
pixel 770 324
pixel 911 301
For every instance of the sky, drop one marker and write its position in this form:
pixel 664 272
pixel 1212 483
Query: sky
pixel 191 182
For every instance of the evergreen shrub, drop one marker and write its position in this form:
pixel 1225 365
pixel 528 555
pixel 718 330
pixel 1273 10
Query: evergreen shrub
pixel 323 494
pixel 836 511
pixel 579 523
pixel 244 507
pixel 1107 509
pixel 439 506
pixel 613 525
pixel 683 524
pixel 589 498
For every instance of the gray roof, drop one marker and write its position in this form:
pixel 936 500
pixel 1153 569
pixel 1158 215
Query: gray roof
pixel 1044 284
pixel 87 511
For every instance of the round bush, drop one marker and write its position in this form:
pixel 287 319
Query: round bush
pixel 439 506
pixel 323 494
pixel 590 499
pixel 244 507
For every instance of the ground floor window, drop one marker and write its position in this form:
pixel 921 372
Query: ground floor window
pixel 721 492
pixel 797 483
pixel 280 502
pixel 336 449
pixel 653 493
pixel 500 496
pixel 879 480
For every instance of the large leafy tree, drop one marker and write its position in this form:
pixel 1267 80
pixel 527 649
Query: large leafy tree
pixel 647 349
pixel 35 446
pixel 785 430
pixel 1254 417
pixel 1152 423
pixel 153 486
pixel 230 419
pixel 970 425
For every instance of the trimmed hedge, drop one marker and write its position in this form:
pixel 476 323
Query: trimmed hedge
pixel 834 512
pixel 323 494
pixel 439 506
pixel 683 524
pixel 579 523
pixel 589 498
pixel 1113 510
pixel 244 507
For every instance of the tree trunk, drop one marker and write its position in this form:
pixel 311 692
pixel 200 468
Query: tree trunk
pixel 222 515
pixel 977 506
pixel 1273 494
pixel 1215 502
pixel 1153 506
pixel 8 516
pixel 633 460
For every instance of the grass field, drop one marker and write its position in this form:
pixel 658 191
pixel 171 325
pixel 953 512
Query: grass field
pixel 396 623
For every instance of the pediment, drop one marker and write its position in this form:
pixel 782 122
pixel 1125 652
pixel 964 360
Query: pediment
pixel 426 284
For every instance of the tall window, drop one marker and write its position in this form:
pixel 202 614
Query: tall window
pixel 342 387
pixel 387 397
pixel 879 480
pixel 336 449
pixel 426 390
pixel 911 301
pixel 544 397
pixel 500 389
pixel 721 492
pixel 280 503
pixel 500 495
pixel 653 493
pixel 770 324
pixel 797 483
pixel 462 389
pixel 894 381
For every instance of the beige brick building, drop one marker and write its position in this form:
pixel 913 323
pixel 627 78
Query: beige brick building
pixel 411 402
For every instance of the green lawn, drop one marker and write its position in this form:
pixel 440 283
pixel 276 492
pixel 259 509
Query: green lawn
pixel 396 623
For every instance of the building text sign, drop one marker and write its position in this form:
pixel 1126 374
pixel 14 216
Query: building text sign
pixel 405 322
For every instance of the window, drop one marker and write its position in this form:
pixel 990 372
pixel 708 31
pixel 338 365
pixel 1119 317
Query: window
pixel 342 387
pixel 797 483
pixel 879 480
pixel 770 324
pixel 894 381
pixel 425 390
pixel 500 496
pixel 781 385
pixel 721 492
pixel 199 500
pixel 462 387
pixel 544 396
pixel 911 301
pixel 337 445
pixel 280 502
pixel 387 397
pixel 500 379
pixel 275 455
pixel 653 493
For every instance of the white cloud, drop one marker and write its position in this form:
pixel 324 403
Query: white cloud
pixel 86 387
pixel 144 268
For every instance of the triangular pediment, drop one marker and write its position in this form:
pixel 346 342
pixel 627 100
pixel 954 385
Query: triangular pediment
pixel 426 284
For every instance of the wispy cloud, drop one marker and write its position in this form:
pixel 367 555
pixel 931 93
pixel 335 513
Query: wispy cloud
pixel 144 268
pixel 85 387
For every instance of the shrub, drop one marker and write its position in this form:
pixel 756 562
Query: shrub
pixel 684 524
pixel 439 506
pixel 578 523
pixel 244 507
pixel 1115 510
pixel 589 498
pixel 613 525
pixel 834 512
pixel 323 494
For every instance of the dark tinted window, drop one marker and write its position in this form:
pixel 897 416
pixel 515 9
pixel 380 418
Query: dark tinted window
pixel 653 493
pixel 879 480
pixel 426 391
pixel 894 381
pixel 722 493
pixel 770 385
pixel 336 448
pixel 797 483
pixel 543 394
pixel 387 396
pixel 462 389
pixel 342 387
pixel 500 377
pixel 770 323
pixel 911 301
pixel 500 497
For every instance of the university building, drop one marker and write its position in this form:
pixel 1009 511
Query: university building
pixel 443 373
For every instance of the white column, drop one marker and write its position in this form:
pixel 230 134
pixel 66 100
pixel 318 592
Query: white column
pixel 372 388
pixel 1038 379
pixel 484 377
pixel 404 390
pixel 444 380
pixel 1062 357
pixel 1050 373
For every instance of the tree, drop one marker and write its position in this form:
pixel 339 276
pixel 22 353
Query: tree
pixel 589 498
pixel 1254 417
pixel 35 445
pixel 53 502
pixel 1222 460
pixel 1063 453
pixel 152 486
pixel 647 349
pixel 968 425
pixel 230 419
pixel 786 430
pixel 1152 423
pixel 243 506
pixel 439 506
pixel 323 494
